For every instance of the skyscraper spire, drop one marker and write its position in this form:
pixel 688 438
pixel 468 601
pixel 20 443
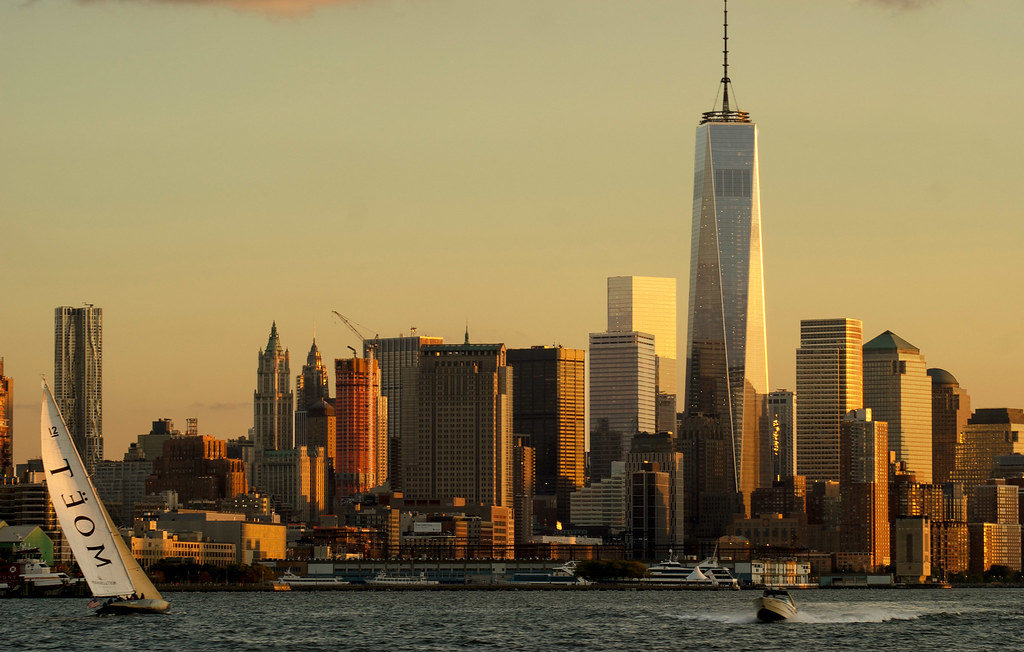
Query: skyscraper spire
pixel 727 113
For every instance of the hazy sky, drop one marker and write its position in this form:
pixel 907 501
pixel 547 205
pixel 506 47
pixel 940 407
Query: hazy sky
pixel 199 169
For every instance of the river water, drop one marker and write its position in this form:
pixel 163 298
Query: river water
pixel 864 619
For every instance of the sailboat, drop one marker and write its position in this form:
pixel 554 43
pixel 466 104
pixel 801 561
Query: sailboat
pixel 106 562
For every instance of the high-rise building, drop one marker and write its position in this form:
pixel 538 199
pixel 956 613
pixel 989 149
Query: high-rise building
pixel 951 407
pixel 829 382
pixel 296 480
pixel 989 433
pixel 198 469
pixel 864 488
pixel 523 484
pixel 780 442
pixel 550 407
pixel 601 505
pixel 660 449
pixel 361 434
pixel 898 391
pixel 122 483
pixel 622 396
pixel 394 355
pixel 711 495
pixel 457 425
pixel 78 377
pixel 273 399
pixel 311 387
pixel 649 513
pixel 726 351
pixel 6 423
pixel 647 304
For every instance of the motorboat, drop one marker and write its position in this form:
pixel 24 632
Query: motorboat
pixel 775 604
pixel 384 579
pixel 564 575
pixel 297 583
pixel 102 554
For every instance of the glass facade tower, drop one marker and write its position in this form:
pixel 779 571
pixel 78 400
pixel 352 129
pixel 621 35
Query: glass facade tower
pixel 726 359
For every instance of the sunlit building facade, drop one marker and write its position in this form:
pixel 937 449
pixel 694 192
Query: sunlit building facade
pixel 829 382
pixel 898 391
pixel 273 400
pixel 648 304
pixel 6 423
pixel 78 377
pixel 864 487
pixel 726 357
pixel 989 433
pixel 361 431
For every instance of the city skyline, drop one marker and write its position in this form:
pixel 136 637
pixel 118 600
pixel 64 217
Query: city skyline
pixel 153 313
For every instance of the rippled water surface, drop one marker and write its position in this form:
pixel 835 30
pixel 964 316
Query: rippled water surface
pixel 606 620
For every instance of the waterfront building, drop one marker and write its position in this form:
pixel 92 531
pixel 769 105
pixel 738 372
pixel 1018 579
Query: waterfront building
pixel 24 500
pixel 523 482
pixel 726 348
pixel 457 425
pixel 253 541
pixel 273 399
pixel 898 391
pixel 550 407
pixel 649 514
pixel 864 487
pixel 989 433
pixel 660 449
pixel 296 481
pixel 78 377
pixel 622 395
pixel 772 529
pixel 951 407
pixel 311 388
pixel 601 505
pixel 17 538
pixel 994 544
pixel 198 469
pixel 647 304
pixel 6 423
pixel 950 548
pixel 780 442
pixel 829 382
pixel 913 549
pixel 394 355
pixel 455 528
pixel 361 458
pixel 160 544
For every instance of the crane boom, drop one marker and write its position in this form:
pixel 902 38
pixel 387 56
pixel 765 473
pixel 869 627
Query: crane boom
pixel 352 327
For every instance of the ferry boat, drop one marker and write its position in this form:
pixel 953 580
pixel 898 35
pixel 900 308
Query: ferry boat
pixel 708 574
pixel 296 583
pixel 564 575
pixel 384 579
pixel 775 604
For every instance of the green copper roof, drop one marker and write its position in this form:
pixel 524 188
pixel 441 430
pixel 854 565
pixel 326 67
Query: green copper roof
pixel 889 341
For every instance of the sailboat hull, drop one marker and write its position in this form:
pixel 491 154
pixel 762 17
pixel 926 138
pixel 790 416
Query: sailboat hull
pixel 143 606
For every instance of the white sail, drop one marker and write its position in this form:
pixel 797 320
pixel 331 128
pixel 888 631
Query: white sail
pixel 103 556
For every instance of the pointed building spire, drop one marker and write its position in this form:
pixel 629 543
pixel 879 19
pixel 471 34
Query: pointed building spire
pixel 274 342
pixel 467 331
pixel 727 113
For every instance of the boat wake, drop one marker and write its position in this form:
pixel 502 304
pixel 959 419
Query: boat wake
pixel 818 615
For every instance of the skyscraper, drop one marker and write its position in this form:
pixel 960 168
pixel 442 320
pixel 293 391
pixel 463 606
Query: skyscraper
pixel 622 398
pixel 360 433
pixel 272 402
pixel 394 355
pixel 780 447
pixel 550 407
pixel 951 407
pixel 311 387
pixel 898 391
pixel 6 423
pixel 829 382
pixel 648 304
pixel 864 488
pixel 726 358
pixel 457 425
pixel 78 377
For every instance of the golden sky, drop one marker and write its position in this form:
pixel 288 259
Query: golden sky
pixel 199 169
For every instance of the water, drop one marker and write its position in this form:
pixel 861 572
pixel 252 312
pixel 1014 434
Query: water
pixel 958 619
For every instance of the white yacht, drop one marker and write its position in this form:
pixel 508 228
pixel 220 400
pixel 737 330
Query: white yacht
pixel 564 575
pixel 39 575
pixel 296 583
pixel 707 574
pixel 775 604
pixel 384 579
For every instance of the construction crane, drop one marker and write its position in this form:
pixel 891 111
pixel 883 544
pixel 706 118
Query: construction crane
pixel 352 327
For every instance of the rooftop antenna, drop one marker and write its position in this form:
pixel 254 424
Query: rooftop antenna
pixel 725 56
